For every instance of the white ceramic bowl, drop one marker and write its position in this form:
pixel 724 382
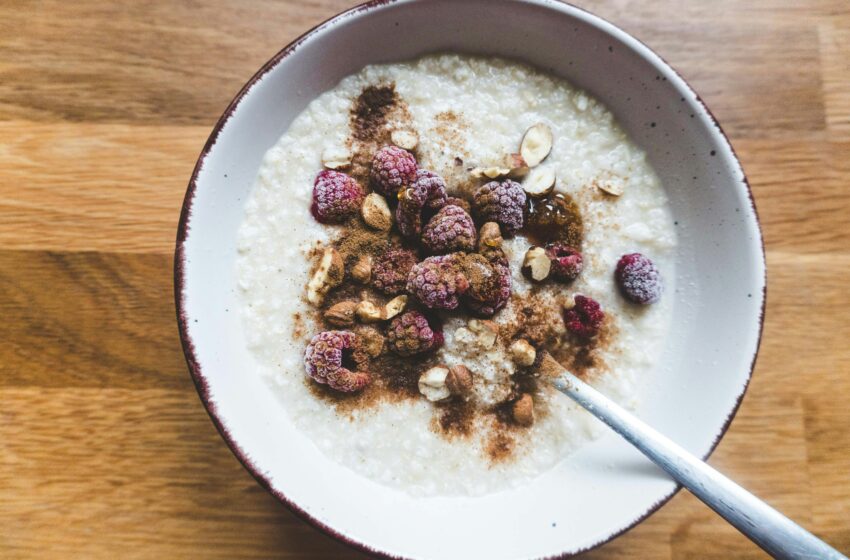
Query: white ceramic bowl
pixel 606 487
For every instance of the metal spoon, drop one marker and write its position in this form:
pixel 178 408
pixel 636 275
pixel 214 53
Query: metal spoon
pixel 776 534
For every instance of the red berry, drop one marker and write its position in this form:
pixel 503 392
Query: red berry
pixel 438 281
pixel 451 229
pixel 585 318
pixel 390 270
pixel 324 361
pixel 566 261
pixel 336 197
pixel 392 169
pixel 500 202
pixel 638 279
pixel 410 333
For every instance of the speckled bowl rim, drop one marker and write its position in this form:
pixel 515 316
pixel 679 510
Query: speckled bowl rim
pixel 197 374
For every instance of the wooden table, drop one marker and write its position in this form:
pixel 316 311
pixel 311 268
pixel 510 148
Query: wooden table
pixel 105 449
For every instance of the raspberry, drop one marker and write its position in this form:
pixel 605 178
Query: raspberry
pixel 324 359
pixel 438 281
pixel 489 282
pixel 566 261
pixel 434 185
pixel 503 203
pixel 639 280
pixel 390 270
pixel 451 229
pixel 336 196
pixel 410 334
pixel 585 318
pixel 408 214
pixel 392 169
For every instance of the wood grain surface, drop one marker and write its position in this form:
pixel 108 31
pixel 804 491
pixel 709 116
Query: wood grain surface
pixel 105 449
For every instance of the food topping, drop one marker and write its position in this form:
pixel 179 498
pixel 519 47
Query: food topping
pixel 567 263
pixel 536 265
pixel 410 333
pixel 336 197
pixel 585 318
pixel 391 269
pixel 438 281
pixel 392 169
pixel 523 353
pixel 328 274
pixel 376 213
pixel 501 202
pixel 523 411
pixel 536 144
pixel 324 361
pixel 449 230
pixel 432 384
pixel 638 279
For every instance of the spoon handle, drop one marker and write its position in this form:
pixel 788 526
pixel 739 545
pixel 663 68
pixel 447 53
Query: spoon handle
pixel 776 534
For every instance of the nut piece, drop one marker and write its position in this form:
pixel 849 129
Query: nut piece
pixel 376 213
pixel 539 182
pixel 536 144
pixel 570 301
pixel 362 270
pixel 490 235
pixel 371 341
pixel 432 384
pixel 523 411
pixel 341 314
pixel 489 172
pixel 394 307
pixel 516 164
pixel 523 353
pixel 406 139
pixel 608 187
pixel 536 264
pixel 328 274
pixel 336 157
pixel 486 332
pixel 368 312
pixel 459 381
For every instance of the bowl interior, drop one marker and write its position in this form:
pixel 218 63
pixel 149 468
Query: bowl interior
pixel 604 488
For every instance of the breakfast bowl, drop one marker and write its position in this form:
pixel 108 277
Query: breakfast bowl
pixel 715 298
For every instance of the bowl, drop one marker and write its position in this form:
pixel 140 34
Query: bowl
pixel 606 487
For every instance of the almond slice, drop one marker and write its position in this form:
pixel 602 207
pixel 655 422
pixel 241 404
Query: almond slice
pixel 406 139
pixel 336 157
pixel 540 182
pixel 610 188
pixel 489 172
pixel 536 144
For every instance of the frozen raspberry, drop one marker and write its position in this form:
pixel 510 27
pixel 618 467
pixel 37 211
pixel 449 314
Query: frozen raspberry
pixel 451 229
pixel 438 281
pixel 390 270
pixel 566 261
pixel 392 169
pixel 410 334
pixel 434 186
pixel 336 196
pixel 503 203
pixel 325 359
pixel 489 282
pixel 585 318
pixel 639 280
pixel 408 214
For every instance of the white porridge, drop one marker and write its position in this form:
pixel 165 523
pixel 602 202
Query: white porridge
pixel 467 112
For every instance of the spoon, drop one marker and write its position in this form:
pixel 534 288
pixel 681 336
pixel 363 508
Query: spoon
pixel 776 534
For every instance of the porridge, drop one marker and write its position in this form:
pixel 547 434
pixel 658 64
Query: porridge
pixel 416 243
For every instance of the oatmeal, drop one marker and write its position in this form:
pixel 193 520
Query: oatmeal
pixel 420 238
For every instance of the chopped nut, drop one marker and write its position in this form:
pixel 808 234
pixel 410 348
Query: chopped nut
pixel 394 307
pixel 489 172
pixel 336 157
pixel 341 314
pixel 490 235
pixel 569 301
pixel 432 384
pixel 540 182
pixel 517 166
pixel 406 139
pixel 536 264
pixel 370 340
pixel 459 381
pixel 523 411
pixel 362 270
pixel 486 332
pixel 523 353
pixel 376 213
pixel 368 312
pixel 610 188
pixel 536 144
pixel 328 274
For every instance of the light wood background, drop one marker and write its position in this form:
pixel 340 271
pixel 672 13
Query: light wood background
pixel 105 449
